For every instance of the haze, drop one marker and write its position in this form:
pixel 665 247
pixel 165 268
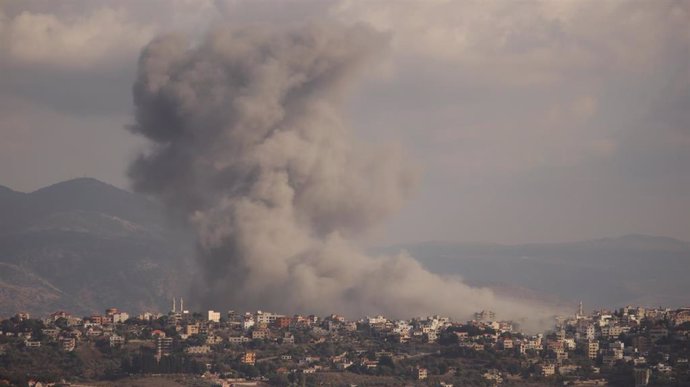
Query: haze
pixel 528 121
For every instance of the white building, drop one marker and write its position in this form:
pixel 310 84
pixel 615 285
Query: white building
pixel 116 341
pixel 198 350
pixel 238 339
pixel 120 317
pixel 247 321
pixel 376 320
pixel 266 317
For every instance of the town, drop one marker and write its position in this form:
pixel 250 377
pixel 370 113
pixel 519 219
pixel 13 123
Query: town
pixel 630 346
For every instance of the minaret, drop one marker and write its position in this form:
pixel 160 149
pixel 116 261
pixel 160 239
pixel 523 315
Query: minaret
pixel 580 313
pixel 174 305
pixel 181 305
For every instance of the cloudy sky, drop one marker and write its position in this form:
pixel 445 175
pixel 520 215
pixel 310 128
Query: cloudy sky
pixel 530 121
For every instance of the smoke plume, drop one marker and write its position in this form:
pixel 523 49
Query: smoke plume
pixel 247 143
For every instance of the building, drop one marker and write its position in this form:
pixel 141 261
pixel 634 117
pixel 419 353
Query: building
pixel 431 337
pixel 51 332
pixel 21 316
pixel 592 349
pixel 247 321
pixel 546 370
pixel 175 309
pixel 191 329
pixel 213 316
pixel 288 338
pixel 213 340
pixel 641 376
pixel 681 316
pixel 611 356
pixel 163 346
pixel 259 334
pixel 568 369
pixel 148 316
pixel 485 315
pixel 611 331
pixel 343 365
pixel 119 317
pixel 267 318
pixel 238 339
pixel 282 322
pixel 421 373
pixel 97 319
pixel 376 320
pixel 68 344
pixel 58 315
pixel 198 350
pixel 569 344
pixel 641 343
pixel 493 376
pixel 248 358
pixel 560 355
pixel 618 345
pixel 116 341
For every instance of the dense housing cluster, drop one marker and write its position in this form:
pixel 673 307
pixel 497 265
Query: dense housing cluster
pixel 632 346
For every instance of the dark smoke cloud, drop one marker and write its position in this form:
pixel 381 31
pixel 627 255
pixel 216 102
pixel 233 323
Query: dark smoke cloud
pixel 248 145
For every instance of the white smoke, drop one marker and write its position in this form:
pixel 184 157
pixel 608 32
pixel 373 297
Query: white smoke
pixel 248 144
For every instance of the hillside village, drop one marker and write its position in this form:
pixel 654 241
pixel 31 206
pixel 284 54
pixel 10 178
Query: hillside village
pixel 628 346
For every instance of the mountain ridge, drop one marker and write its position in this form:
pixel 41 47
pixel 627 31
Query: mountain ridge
pixel 89 240
pixel 623 270
pixel 84 245
pixel 631 237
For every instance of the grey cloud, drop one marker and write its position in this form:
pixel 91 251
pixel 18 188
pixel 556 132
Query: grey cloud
pixel 499 102
pixel 525 103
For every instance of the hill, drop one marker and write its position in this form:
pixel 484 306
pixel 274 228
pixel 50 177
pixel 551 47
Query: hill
pixel 632 269
pixel 83 245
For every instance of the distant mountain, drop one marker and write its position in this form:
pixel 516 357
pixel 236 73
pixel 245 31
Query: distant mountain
pixel 633 269
pixel 83 245
pixel 85 196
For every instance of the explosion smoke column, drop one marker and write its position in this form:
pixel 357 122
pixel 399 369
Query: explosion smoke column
pixel 247 143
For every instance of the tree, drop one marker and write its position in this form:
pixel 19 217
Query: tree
pixel 621 375
pixel 33 326
pixel 386 361
pixel 62 323
pixel 7 326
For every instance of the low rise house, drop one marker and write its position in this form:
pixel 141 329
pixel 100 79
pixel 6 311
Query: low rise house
pixel 546 369
pixel 260 334
pixel 116 341
pixel 248 358
pixel 68 344
pixel 238 339
pixel 198 350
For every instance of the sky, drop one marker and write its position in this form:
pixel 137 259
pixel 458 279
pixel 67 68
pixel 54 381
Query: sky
pixel 528 121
